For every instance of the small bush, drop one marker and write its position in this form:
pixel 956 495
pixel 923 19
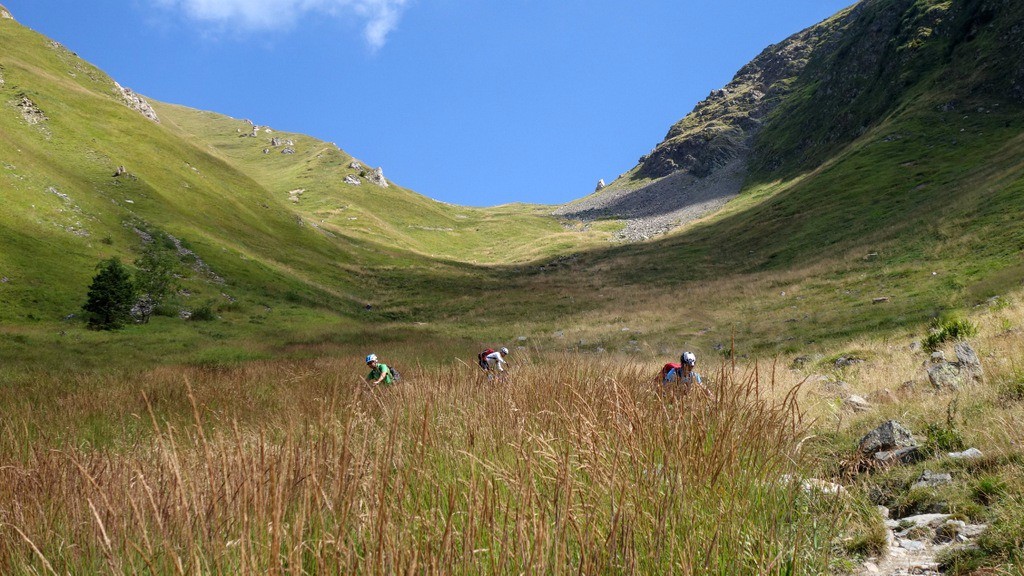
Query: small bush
pixel 988 489
pixel 204 313
pixel 948 331
pixel 943 438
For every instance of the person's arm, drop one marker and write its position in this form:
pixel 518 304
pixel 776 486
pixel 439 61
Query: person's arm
pixel 384 371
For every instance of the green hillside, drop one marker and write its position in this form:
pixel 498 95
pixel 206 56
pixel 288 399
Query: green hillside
pixel 887 171
pixel 245 244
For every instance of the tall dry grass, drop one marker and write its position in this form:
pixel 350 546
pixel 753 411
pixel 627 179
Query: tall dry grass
pixel 571 465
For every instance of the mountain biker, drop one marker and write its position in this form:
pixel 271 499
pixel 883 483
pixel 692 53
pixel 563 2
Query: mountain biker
pixel 379 373
pixel 686 376
pixel 493 361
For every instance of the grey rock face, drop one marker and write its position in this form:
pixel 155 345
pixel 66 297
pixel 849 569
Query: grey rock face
pixel 889 436
pixel 355 165
pixel 955 375
pixel 5 14
pixel 968 360
pixel 946 376
pixel 350 179
pixel 137 103
pixel 377 177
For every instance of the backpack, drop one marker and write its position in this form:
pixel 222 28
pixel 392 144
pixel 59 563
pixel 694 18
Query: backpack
pixel 395 376
pixel 481 358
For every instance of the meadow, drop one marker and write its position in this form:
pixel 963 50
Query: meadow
pixel 578 462
pixel 296 467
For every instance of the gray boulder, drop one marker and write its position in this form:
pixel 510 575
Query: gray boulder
pixel 946 376
pixel 350 179
pixel 600 185
pixel 955 375
pixel 377 177
pixel 856 403
pixel 889 436
pixel 968 361
pixel 931 479
pixel 969 454
pixel 907 455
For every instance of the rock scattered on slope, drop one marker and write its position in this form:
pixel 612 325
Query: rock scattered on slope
pixel 856 403
pixel 30 112
pixel 293 195
pixel 137 103
pixel 890 435
pixel 350 179
pixel 600 185
pixel 5 14
pixel 355 165
pixel 377 177
pixel 931 479
pixel 969 454
pixel 955 375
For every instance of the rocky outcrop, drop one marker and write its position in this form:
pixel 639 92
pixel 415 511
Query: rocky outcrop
pixel 600 185
pixel 804 99
pixel 352 180
pixel 5 14
pixel 703 160
pixel 136 102
pixel 377 177
pixel 30 112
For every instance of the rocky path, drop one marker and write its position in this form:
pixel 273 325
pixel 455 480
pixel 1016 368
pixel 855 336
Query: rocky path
pixel 916 542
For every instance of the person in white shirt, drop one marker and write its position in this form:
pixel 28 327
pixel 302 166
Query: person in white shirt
pixel 495 362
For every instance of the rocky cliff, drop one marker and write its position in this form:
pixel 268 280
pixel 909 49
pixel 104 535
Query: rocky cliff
pixel 802 100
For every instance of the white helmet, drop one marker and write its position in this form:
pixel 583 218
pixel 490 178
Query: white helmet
pixel 371 358
pixel 504 351
pixel 688 358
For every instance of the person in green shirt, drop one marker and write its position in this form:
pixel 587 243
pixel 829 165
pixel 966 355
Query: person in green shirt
pixel 379 373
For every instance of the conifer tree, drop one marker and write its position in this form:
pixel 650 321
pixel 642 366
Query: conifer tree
pixel 111 296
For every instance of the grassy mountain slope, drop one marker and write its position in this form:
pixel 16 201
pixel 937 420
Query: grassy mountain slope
pixel 908 195
pixel 931 185
pixel 67 128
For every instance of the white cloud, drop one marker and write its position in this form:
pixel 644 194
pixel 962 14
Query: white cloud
pixel 380 16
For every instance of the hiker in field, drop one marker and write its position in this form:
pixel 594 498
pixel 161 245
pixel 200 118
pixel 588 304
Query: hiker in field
pixel 493 361
pixel 379 373
pixel 687 376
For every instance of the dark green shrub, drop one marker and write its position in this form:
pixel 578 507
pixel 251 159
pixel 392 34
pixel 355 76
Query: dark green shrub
pixel 204 313
pixel 948 331
pixel 166 310
pixel 988 489
pixel 111 296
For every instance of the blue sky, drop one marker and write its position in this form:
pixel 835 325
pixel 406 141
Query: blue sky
pixel 476 102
